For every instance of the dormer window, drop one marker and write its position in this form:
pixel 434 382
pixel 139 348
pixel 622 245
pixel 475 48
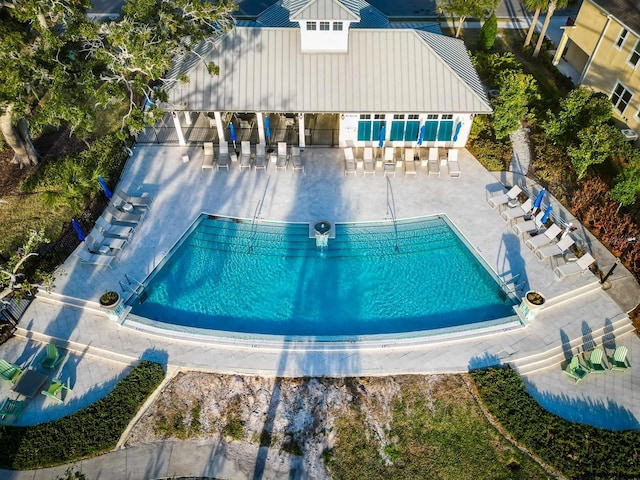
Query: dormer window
pixel 311 25
pixel 337 26
pixel 324 26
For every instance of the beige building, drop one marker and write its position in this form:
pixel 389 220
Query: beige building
pixel 604 45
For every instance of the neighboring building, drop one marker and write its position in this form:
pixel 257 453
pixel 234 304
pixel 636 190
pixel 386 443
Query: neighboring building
pixel 604 45
pixel 328 72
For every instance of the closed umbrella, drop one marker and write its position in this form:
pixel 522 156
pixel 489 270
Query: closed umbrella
pixel 457 132
pixel 267 128
pixel 76 226
pixel 546 215
pixel 232 132
pixel 421 134
pixel 538 201
pixel 105 188
pixel 383 134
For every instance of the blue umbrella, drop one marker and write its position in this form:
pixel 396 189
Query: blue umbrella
pixel 546 215
pixel 421 134
pixel 383 133
pixel 455 135
pixel 105 189
pixel 538 201
pixel 267 127
pixel 232 132
pixel 76 226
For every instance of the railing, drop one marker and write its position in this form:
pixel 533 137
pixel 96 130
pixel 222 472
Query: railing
pixel 391 210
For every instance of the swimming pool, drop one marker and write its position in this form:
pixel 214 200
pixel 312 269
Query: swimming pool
pixel 231 275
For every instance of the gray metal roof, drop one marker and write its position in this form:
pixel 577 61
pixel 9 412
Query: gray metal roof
pixel 277 15
pixel 384 71
pixel 625 11
pixel 325 10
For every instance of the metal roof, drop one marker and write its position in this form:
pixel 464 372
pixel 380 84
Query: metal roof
pixel 384 71
pixel 325 10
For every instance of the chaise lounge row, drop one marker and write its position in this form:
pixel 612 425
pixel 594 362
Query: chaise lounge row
pixel 247 158
pixel 396 158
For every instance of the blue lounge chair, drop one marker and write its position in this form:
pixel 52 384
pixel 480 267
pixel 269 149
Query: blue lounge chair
pixel 576 369
pixel 53 357
pixel 619 360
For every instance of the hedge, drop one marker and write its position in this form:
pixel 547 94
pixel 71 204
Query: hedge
pixel 579 451
pixel 88 432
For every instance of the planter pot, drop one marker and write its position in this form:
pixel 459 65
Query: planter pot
pixel 110 300
pixel 531 304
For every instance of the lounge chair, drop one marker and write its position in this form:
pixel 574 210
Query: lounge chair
pixel 94 258
pixel 543 238
pixel 52 358
pixel 349 161
pixel 135 201
pixel 576 369
pixel 56 390
pixel 579 266
pixel 281 159
pixel 619 360
pixel 9 371
pixel 555 249
pixel 11 407
pixel 223 156
pixel 452 163
pixel 260 160
pixel 409 161
pixel 517 212
pixel 369 166
pixel 245 155
pixel 434 162
pixel 209 157
pixel 112 214
pixel 596 362
pixel 97 243
pixel 296 160
pixel 512 194
pixel 389 162
pixel 529 225
pixel 109 230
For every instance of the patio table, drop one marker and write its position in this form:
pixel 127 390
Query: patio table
pixel 30 383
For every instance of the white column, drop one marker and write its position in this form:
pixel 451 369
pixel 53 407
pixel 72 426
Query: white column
pixel 561 46
pixel 176 123
pixel 301 139
pixel 187 118
pixel 260 120
pixel 219 126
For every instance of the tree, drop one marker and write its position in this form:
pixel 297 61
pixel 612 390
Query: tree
pixel 138 49
pixel 488 33
pixel 595 145
pixel 468 8
pixel 40 74
pixel 553 4
pixel 517 90
pixel 536 6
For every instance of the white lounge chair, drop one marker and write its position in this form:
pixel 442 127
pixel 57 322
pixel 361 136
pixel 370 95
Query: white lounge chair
pixel 452 163
pixel 135 201
pixel 260 160
pixel 547 236
pixel 512 194
pixel 110 230
pixel 529 226
pixel 223 156
pixel 555 249
pixel 112 214
pixel 245 155
pixel 281 160
pixel 207 160
pixel 296 160
pixel 434 162
pixel 409 161
pixel 349 161
pixel 389 162
pixel 93 258
pixel 517 212
pixel 369 166
pixel 571 268
pixel 98 243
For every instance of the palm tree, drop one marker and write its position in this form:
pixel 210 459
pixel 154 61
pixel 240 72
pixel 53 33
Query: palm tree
pixel 536 6
pixel 553 4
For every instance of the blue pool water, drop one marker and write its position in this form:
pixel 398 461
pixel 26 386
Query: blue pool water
pixel 374 278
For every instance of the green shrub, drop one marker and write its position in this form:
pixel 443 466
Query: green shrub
pixel 579 451
pixel 488 33
pixel 88 432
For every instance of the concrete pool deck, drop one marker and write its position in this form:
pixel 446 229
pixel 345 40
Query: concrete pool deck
pixel 579 314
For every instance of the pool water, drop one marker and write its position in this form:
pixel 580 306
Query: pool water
pixel 270 278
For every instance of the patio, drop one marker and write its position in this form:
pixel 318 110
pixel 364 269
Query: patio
pixel 579 312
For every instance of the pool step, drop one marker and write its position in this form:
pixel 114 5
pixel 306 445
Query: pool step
pixel 557 355
pixel 71 301
pixel 572 295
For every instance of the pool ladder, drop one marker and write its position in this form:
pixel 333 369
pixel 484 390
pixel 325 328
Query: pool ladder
pixel 138 291
pixel 391 210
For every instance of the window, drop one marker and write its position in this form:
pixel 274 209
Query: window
pixel 370 130
pixel 324 26
pixel 445 130
pixel 621 38
pixel 621 97
pixel 337 26
pixel 635 55
pixel 311 25
pixel 405 127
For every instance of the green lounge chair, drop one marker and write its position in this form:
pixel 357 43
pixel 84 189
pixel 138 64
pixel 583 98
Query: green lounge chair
pixel 596 362
pixel 11 407
pixel 53 357
pixel 575 369
pixel 55 390
pixel 9 371
pixel 619 360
